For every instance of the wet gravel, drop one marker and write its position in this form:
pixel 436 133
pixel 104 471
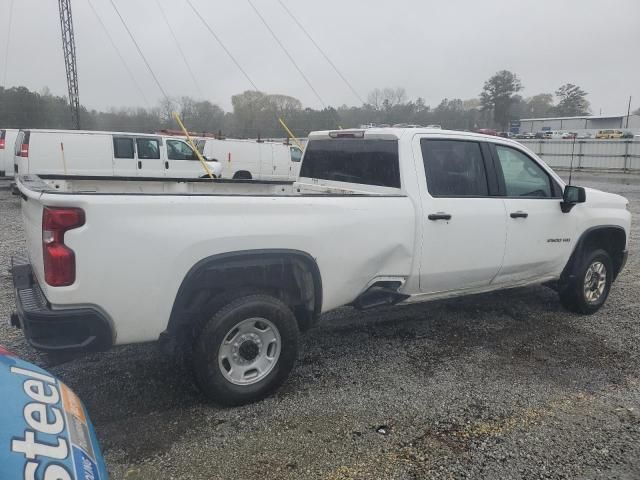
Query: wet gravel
pixel 505 385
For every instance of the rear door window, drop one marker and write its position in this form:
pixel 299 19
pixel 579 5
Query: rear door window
pixel 123 147
pixel 454 168
pixel 148 148
pixel 367 162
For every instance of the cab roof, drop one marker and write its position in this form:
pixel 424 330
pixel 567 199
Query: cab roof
pixel 390 133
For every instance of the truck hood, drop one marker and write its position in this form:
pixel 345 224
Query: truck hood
pixel 598 198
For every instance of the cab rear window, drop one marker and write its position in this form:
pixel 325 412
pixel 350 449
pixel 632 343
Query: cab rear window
pixel 367 162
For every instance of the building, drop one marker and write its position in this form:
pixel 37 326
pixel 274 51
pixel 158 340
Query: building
pixel 587 123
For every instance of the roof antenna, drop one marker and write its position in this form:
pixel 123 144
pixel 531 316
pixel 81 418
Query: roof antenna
pixel 573 147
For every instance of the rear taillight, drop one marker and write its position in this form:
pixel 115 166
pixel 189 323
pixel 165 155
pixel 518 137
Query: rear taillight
pixel 1 143
pixel 59 260
pixel 24 150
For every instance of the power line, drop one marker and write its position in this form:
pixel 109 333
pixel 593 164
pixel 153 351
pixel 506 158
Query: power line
pixel 175 40
pixel 213 34
pixel 275 37
pixel 326 57
pixel 140 52
pixel 117 50
pixel 6 52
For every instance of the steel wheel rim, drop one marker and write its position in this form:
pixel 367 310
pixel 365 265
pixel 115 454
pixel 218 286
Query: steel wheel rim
pixel 249 351
pixel 595 281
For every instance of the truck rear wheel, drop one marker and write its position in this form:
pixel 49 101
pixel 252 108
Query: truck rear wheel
pixel 590 289
pixel 245 350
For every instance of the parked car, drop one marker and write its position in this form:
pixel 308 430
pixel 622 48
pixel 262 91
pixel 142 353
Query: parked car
pixel 543 135
pixel 608 134
pixel 233 271
pixel 74 152
pixel 506 135
pixel 487 131
pixel 526 135
pixel 434 126
pixel 569 135
pixel 627 135
pixel 557 134
pixel 584 135
pixel 45 430
pixel 7 143
pixel 249 159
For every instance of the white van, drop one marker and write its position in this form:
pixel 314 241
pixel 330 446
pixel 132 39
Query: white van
pixel 7 142
pixel 75 152
pixel 557 134
pixel 251 159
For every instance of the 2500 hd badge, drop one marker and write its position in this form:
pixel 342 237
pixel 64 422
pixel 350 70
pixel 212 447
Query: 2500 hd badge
pixel 45 433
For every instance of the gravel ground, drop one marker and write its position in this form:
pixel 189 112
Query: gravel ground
pixel 506 385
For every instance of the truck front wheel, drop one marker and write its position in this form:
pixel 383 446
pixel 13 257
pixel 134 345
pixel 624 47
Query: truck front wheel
pixel 245 350
pixel 588 292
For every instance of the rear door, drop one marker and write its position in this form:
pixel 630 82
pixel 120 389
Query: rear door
pixel 3 153
pixel 149 161
pixel 539 236
pixel 463 220
pixel 124 156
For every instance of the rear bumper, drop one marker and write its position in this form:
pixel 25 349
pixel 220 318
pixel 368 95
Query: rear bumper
pixel 73 329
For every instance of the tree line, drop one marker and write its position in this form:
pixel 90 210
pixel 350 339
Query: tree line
pixel 255 114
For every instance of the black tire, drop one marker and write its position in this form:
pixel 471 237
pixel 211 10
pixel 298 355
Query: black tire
pixel 574 298
pixel 208 341
pixel 242 175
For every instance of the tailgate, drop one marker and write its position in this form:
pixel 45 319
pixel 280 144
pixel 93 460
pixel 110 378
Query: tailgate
pixel 32 220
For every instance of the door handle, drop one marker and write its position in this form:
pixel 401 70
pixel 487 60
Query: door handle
pixel 439 216
pixel 139 165
pixel 519 214
pixel 166 164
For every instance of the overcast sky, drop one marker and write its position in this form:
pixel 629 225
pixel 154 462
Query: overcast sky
pixel 434 49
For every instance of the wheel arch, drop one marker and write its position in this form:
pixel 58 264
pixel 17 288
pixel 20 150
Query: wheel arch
pixel 611 238
pixel 291 275
pixel 243 175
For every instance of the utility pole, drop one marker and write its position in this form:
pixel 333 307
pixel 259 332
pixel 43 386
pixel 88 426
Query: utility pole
pixel 69 50
pixel 628 111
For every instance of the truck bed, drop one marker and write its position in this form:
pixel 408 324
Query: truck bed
pixel 146 235
pixel 68 184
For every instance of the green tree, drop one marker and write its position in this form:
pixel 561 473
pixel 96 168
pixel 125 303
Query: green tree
pixel 498 95
pixel 573 101
pixel 540 106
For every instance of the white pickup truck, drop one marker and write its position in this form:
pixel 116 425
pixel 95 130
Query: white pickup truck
pixel 232 271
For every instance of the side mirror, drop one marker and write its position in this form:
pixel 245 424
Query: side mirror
pixel 571 196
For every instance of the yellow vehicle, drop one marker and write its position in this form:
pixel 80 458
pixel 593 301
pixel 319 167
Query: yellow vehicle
pixel 605 134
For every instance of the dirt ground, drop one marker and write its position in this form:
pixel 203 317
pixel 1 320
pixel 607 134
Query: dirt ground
pixel 504 385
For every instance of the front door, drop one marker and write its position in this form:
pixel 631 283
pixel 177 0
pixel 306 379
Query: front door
pixel 463 221
pixel 539 236
pixel 182 161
